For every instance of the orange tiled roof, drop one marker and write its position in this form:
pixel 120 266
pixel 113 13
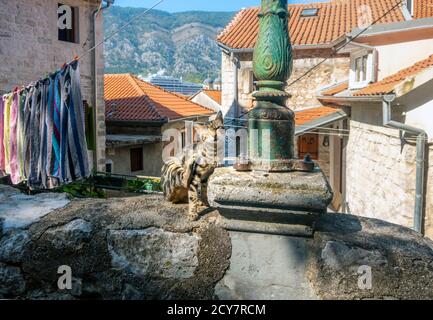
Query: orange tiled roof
pixel 214 95
pixel 334 19
pixel 336 89
pixel 308 115
pixel 423 9
pixel 129 98
pixel 388 84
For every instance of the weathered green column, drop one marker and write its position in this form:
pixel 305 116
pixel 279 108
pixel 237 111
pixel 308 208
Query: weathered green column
pixel 272 125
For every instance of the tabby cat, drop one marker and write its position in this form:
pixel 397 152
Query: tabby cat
pixel 185 180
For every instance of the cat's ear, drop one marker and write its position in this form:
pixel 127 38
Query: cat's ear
pixel 217 120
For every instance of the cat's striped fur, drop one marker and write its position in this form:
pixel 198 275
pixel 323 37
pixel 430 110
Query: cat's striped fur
pixel 185 180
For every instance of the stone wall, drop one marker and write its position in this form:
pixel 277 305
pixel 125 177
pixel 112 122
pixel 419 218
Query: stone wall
pixel 381 172
pixel 30 49
pixel 142 247
pixel 304 91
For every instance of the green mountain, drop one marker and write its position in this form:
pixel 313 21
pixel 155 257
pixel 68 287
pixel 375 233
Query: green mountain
pixel 183 44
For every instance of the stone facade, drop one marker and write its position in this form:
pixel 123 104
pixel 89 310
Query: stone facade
pixel 30 49
pixel 303 92
pixel 381 171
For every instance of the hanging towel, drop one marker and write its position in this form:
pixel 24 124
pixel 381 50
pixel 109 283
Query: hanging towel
pixel 42 159
pixel 13 146
pixel 42 132
pixel 27 131
pixel 6 135
pixel 20 133
pixel 2 150
pixel 76 133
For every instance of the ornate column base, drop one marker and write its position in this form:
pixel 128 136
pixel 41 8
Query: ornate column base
pixel 285 203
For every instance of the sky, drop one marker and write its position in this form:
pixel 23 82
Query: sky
pixel 206 5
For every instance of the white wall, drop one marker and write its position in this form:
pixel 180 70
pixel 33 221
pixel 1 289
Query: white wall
pixel 204 100
pixel 419 106
pixel 395 57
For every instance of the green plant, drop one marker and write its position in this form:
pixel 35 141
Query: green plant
pixel 144 184
pixel 82 189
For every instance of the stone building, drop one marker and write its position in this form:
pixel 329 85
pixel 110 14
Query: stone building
pixel 318 31
pixel 390 94
pixel 32 46
pixel 137 115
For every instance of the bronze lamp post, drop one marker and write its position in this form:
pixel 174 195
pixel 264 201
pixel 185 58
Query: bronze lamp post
pixel 271 123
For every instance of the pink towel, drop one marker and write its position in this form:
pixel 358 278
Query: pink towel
pixel 13 151
pixel 2 148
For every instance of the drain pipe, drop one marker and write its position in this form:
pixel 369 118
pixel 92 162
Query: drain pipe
pixel 420 158
pixel 109 3
pixel 235 62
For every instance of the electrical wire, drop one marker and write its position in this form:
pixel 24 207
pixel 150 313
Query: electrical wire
pixel 339 49
pixel 346 44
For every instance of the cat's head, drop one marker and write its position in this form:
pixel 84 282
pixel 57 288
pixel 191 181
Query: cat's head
pixel 216 121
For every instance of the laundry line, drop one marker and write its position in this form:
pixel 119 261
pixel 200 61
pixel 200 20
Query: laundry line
pixel 42 132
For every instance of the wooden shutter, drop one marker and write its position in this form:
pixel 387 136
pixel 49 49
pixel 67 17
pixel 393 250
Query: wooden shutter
pixel 136 159
pixel 308 144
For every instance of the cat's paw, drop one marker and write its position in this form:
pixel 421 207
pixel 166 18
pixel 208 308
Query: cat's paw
pixel 193 216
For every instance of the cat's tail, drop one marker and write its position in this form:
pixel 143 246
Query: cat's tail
pixel 172 181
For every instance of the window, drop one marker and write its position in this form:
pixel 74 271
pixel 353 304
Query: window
pixel 183 138
pixel 136 159
pixel 410 8
pixel 309 144
pixel 109 166
pixel 248 83
pixel 311 12
pixel 362 70
pixel 67 23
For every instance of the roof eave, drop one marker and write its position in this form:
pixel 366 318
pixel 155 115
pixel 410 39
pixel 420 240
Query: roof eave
pixel 329 45
pixel 413 82
pixel 395 27
pixel 323 121
pixel 150 123
pixel 347 100
pixel 190 117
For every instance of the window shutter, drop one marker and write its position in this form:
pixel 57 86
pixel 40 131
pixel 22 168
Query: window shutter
pixel 309 144
pixel 136 159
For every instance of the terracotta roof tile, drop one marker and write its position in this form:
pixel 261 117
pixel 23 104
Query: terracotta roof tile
pixel 214 95
pixel 305 116
pixel 423 9
pixel 334 19
pixel 129 98
pixel 388 84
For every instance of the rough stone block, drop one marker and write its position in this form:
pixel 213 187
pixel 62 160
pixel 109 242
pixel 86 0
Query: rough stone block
pixel 295 198
pixel 154 251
